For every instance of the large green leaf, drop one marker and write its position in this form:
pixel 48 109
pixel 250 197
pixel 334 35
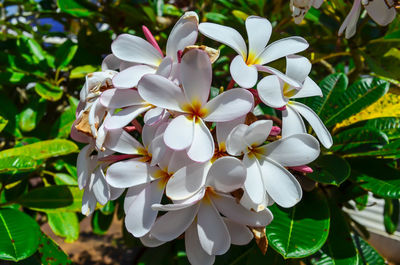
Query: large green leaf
pixel 53 199
pixel 43 149
pixel 357 97
pixel 376 176
pixel 64 224
pixel 74 7
pixel 301 230
pixel 330 169
pixel 389 125
pixel 48 91
pixel 62 127
pixel 65 179
pixel 14 164
pixel 65 53
pixel 391 215
pixel 19 235
pixel 367 254
pixel 391 150
pixel 82 71
pixel 51 253
pixel 3 123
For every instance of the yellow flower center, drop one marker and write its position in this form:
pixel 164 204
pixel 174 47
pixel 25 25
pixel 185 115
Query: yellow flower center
pixel 195 110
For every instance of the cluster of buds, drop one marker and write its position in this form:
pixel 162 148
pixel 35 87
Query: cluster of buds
pixel 206 168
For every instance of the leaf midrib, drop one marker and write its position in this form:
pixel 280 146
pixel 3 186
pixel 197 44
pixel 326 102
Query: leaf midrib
pixel 9 234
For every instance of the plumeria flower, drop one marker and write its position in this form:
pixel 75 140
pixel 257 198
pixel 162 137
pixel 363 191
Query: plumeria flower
pixel 300 8
pixel 212 235
pixel 244 66
pixel 266 163
pixel 188 130
pixel 381 11
pixel 147 57
pixel 275 93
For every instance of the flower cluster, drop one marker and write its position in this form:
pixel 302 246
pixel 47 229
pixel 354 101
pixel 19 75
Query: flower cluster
pixel 190 164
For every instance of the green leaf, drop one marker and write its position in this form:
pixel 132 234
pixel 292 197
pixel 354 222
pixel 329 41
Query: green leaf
pixel 330 169
pixel 359 140
pixel 43 149
pixel 3 123
pixel 27 119
pixel 33 47
pixel 16 164
pixel 389 125
pixel 108 208
pixel 62 127
pixel 19 235
pixel 51 253
pixel 376 176
pixel 101 222
pixel 215 17
pixel 53 199
pixel 301 230
pixel 64 179
pixel 391 150
pixel 65 53
pixel 171 10
pixel 391 215
pixel 367 254
pixel 48 91
pixel 74 8
pixel 64 224
pixel 357 97
pixel 82 71
pixel 361 202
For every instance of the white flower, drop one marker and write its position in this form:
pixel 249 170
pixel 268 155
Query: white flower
pixel 244 67
pixel 300 8
pixel 188 130
pixel 275 93
pixel 265 163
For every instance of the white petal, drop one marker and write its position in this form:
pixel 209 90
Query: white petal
pixel 150 241
pixel 165 68
pixel 158 150
pixel 195 253
pixel 297 67
pixel 254 183
pixel 257 133
pixel 350 22
pixel 187 181
pixel 128 173
pixel 110 62
pixel 131 195
pixel 122 142
pixel 179 133
pixel 120 98
pixel 294 150
pixel 148 134
pixel 178 160
pixel 84 165
pixel 153 116
pixel 319 128
pixel 240 234
pixel 88 202
pixel 281 48
pixel 285 78
pixel 292 123
pixel 280 184
pixel 247 203
pixel 224 128
pixel 229 105
pixel 181 204
pixel 309 89
pixel 125 116
pixel 172 224
pixel 270 92
pixel 78 136
pixel 196 76
pixel 202 147
pixel 115 192
pixel 130 77
pixel 184 33
pixel 100 187
pixel 225 35
pixel 161 92
pixel 134 49
pixel 140 217
pixel 243 74
pixel 235 144
pixel 226 174
pixel 213 234
pixel 258 31
pixel 379 12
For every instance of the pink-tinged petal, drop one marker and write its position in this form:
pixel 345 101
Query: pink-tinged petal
pixel 235 144
pixel 253 184
pixel 184 33
pixel 194 251
pixel 243 74
pixel 196 76
pixel 162 92
pixel 280 184
pixel 115 192
pixel 165 68
pixel 131 195
pixel 226 174
pixel 303 169
pixel 378 10
pixel 100 187
pixel 225 35
pixel 187 181
pixel 282 48
pixel 179 133
pixel 153 116
pixel 85 165
pixel 150 241
pixel 172 224
pixel 229 105
pixel 285 78
pixel 178 160
pixel 130 77
pixel 128 173
pixel 234 211
pixel 297 67
pixel 140 217
pixel 213 234
pixel 258 31
pixel 150 38
pixel 257 132
pixel 292 123
pixel 309 89
pixel 350 22
pixel 125 116
pixel 294 150
pixel 202 147
pixel 110 62
pixel 312 118
pixel 88 202
pixel 275 131
pixel 134 49
pixel 240 234
pixel 224 128
pixel 120 98
pixel 270 92
pixel 122 142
